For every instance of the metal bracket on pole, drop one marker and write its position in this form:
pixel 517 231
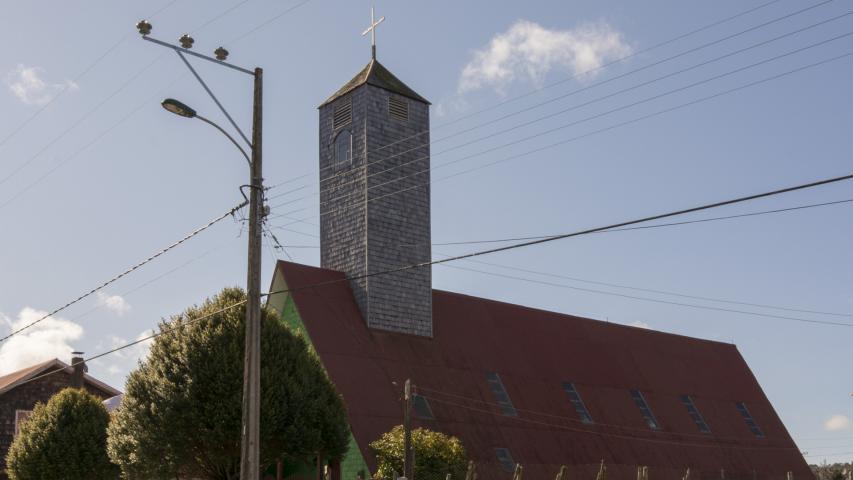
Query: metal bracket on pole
pixel 205 57
pixel 209 92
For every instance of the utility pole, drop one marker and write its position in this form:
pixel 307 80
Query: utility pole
pixel 250 439
pixel 408 458
pixel 250 432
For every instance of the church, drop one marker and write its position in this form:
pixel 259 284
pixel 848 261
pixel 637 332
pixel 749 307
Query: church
pixel 515 384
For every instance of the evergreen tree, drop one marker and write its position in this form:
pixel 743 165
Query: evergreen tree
pixel 64 438
pixel 436 454
pixel 181 415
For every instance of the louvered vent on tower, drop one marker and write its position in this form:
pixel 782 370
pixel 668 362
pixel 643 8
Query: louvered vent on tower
pixel 343 114
pixel 398 108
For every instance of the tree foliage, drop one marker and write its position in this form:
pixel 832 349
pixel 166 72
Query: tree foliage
pixel 436 454
pixel 64 438
pixel 181 415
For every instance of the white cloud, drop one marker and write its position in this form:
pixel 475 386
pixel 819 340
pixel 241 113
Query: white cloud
pixel 641 324
pixel 116 303
pixel 27 85
pixel 529 51
pixel 837 423
pixel 50 338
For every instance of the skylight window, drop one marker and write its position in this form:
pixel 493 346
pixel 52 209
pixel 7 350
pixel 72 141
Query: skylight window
pixel 694 414
pixel 640 401
pixel 750 422
pixel 501 397
pixel 421 407
pixel 505 459
pixel 575 398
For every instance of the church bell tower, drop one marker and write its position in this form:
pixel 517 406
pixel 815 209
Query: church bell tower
pixel 375 197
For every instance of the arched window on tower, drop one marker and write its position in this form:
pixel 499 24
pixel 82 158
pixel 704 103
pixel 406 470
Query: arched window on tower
pixel 343 150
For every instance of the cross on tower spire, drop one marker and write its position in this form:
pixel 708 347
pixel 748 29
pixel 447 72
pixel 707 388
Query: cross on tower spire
pixel 372 30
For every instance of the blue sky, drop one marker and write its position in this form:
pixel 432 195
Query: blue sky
pixel 101 176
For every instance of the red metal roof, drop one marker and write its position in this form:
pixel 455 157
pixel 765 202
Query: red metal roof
pixel 534 352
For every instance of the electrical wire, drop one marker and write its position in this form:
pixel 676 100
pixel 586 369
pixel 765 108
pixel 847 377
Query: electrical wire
pixel 127 271
pixel 630 287
pixel 599 115
pixel 76 79
pixel 267 22
pixel 608 434
pixel 645 227
pixel 603 82
pixel 652 300
pixel 576 421
pixel 164 329
pixel 570 124
pixel 622 59
pixel 593 132
pixel 514 246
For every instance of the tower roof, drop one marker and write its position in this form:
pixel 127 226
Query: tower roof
pixel 374 73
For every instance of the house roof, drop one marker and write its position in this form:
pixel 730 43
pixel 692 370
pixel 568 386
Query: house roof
pixel 14 379
pixel 374 73
pixel 535 352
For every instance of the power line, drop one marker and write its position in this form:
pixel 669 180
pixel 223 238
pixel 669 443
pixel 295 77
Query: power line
pixel 594 132
pixel 622 59
pixel 79 121
pixel 581 233
pixel 269 21
pixel 683 53
pixel 579 422
pixel 74 81
pixel 128 271
pixel 573 123
pixel 608 434
pixel 630 287
pixel 163 331
pixel 645 227
pixel 647 299
pixel 155 279
pixel 83 118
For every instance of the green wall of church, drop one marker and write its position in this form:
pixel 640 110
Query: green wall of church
pixel 353 463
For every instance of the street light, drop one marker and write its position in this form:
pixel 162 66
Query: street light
pixel 183 110
pixel 250 432
pixel 178 108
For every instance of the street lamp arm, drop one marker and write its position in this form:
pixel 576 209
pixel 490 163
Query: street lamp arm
pixel 227 135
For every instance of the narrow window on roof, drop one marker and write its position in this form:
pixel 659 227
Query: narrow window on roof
pixel 640 401
pixel 505 459
pixel 575 398
pixel 343 150
pixel 398 108
pixel 501 397
pixel 694 414
pixel 750 422
pixel 421 407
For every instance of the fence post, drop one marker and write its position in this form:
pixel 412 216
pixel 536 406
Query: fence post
pixel 602 472
pixel 562 474
pixel 471 474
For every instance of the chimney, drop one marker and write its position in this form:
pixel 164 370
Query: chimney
pixel 79 369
